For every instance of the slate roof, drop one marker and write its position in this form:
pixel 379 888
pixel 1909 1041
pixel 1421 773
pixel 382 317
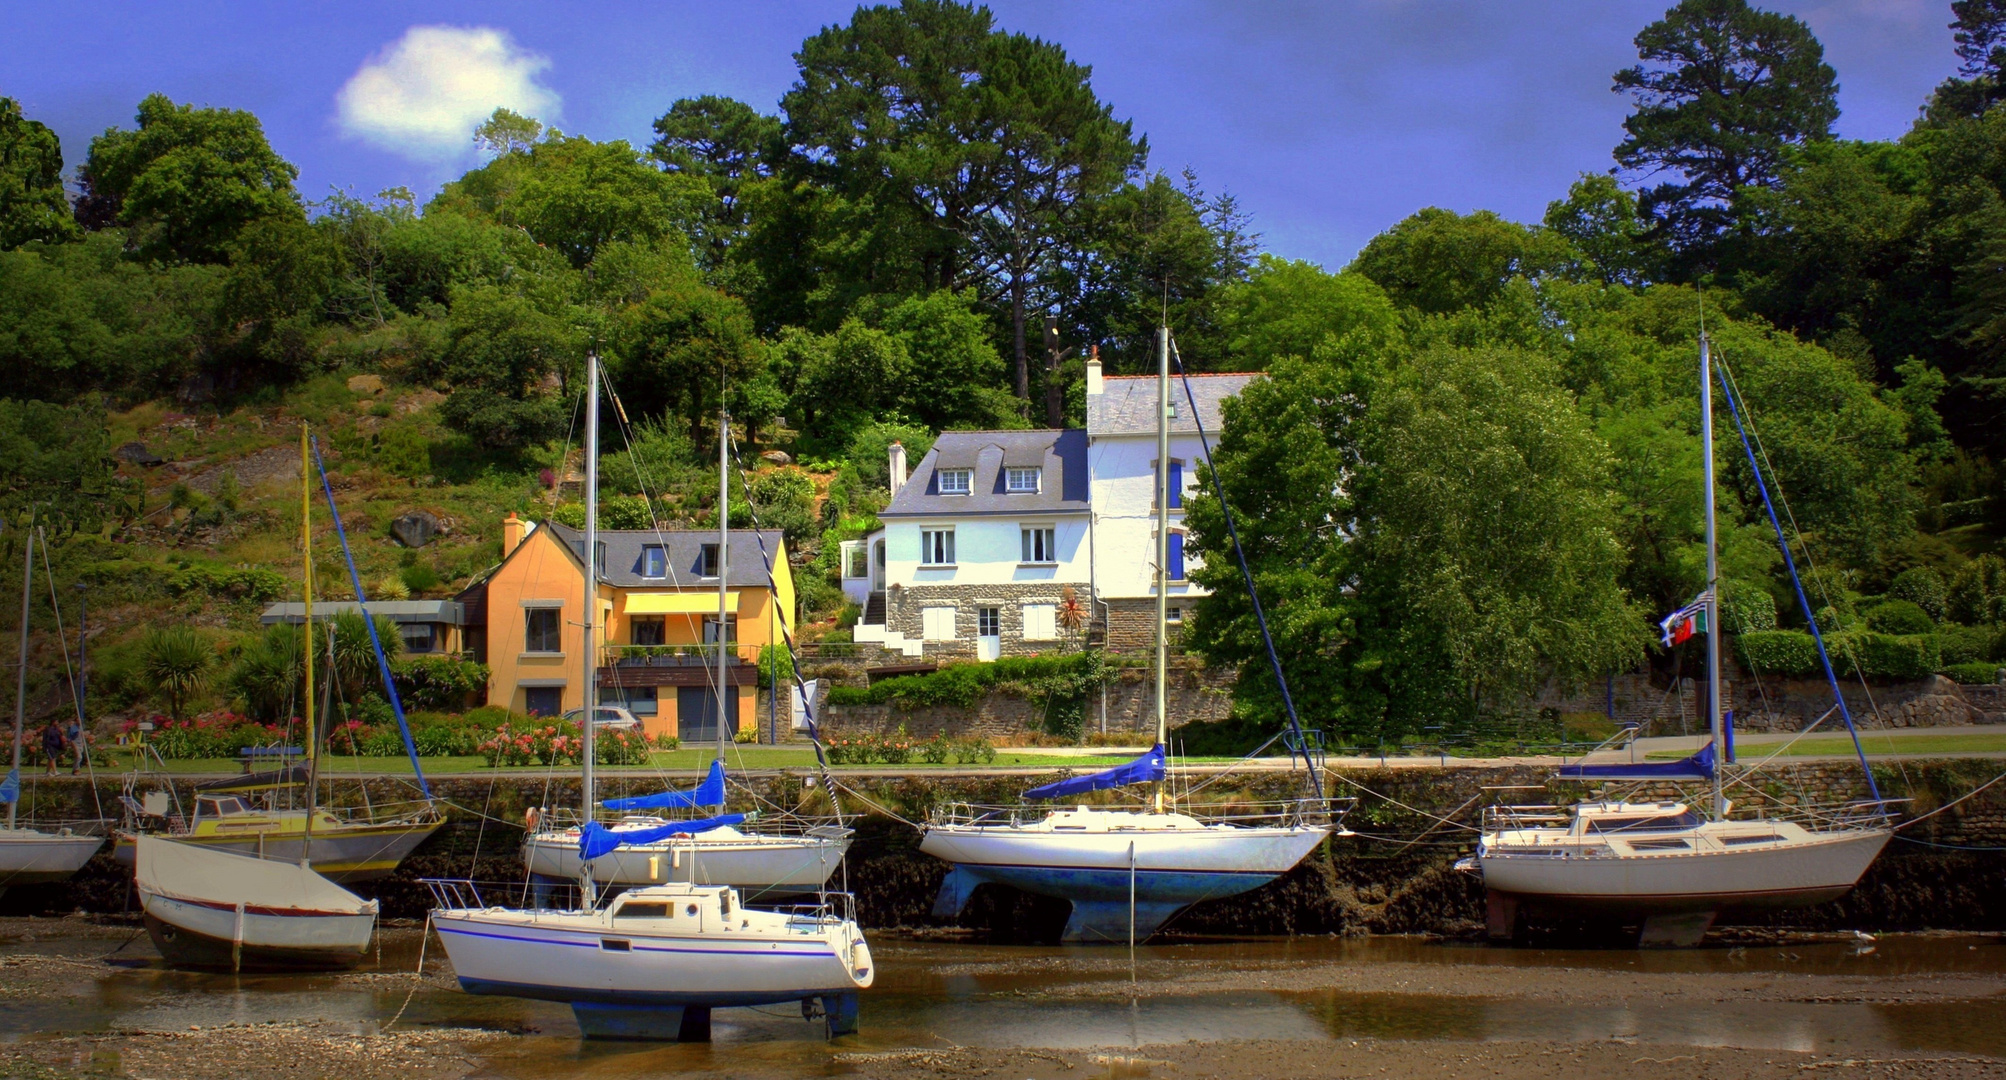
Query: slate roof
pixel 685 555
pixel 1126 404
pixel 450 612
pixel 1062 455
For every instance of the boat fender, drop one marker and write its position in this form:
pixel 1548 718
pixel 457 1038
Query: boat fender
pixel 529 817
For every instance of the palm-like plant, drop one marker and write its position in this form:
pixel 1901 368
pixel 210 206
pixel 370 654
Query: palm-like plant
pixel 354 659
pixel 176 664
pixel 268 672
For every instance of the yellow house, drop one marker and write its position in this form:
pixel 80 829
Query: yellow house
pixel 656 652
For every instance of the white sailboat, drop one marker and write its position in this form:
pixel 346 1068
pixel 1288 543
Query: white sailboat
pixel 208 906
pixel 1664 864
pixel 1126 872
pixel 760 864
pixel 30 856
pixel 655 960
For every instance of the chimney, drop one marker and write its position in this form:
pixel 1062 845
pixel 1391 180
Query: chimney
pixel 897 463
pixel 1094 371
pixel 511 533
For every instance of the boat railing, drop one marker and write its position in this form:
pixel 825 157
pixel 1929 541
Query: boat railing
pixel 458 894
pixel 559 818
pixel 1525 816
pixel 541 894
pixel 414 811
pixel 828 907
pixel 1284 813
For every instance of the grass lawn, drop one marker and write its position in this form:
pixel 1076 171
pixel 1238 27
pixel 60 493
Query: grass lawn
pixel 692 759
pixel 1874 744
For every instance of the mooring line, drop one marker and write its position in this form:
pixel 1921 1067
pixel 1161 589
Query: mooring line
pixel 417 977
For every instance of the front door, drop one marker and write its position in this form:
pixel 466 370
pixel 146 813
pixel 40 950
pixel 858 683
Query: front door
pixel 543 700
pixel 696 714
pixel 988 633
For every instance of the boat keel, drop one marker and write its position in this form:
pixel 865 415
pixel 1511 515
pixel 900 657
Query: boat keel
pixel 1676 931
pixel 657 1023
pixel 1107 921
pixel 955 891
pixel 1500 915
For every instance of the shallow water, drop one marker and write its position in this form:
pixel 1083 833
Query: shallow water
pixel 940 995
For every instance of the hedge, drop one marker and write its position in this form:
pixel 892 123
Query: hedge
pixel 961 685
pixel 1778 652
pixel 1976 673
pixel 1900 657
pixel 438 682
pixel 135 579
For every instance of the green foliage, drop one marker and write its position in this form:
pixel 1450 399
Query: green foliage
pixel 869 448
pixel 419 578
pixel 32 204
pixel 177 664
pixel 1900 617
pixel 1964 644
pixel 1058 680
pixel 1438 261
pixel 268 671
pixel 1922 587
pixel 438 682
pixel 1778 652
pixel 56 467
pixel 1902 657
pixel 1294 308
pixel 501 348
pixel 1599 219
pixel 775 663
pixel 1746 608
pixel 186 182
pixel 1977 593
pixel 1974 673
pixel 783 499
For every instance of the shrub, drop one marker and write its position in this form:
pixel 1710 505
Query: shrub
pixel 1922 587
pixel 420 578
pixel 1964 644
pixel 668 742
pixel 1978 593
pixel 973 750
pixel 1977 673
pixel 1746 608
pixel 620 747
pixel 438 682
pixel 1778 652
pixel 849 695
pixel 1900 617
pixel 1901 657
pixel 175 662
pixel 935 751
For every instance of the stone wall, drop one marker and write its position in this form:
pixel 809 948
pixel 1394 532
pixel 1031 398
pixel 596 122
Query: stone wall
pixel 1773 704
pixel 1196 692
pixel 1129 625
pixel 903 608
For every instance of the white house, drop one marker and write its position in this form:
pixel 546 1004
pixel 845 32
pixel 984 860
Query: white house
pixel 1121 469
pixel 979 550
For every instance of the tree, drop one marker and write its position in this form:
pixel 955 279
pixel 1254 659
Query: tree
pixel 1293 308
pixel 1438 261
pixel 1723 90
pixel 56 468
pixel 186 181
pixel 1487 549
pixel 176 664
pixel 1600 220
pixel 728 144
pixel 955 372
pixel 685 350
pixel 979 149
pixel 503 352
pixel 1980 27
pixel 32 204
pixel 268 671
pixel 506 131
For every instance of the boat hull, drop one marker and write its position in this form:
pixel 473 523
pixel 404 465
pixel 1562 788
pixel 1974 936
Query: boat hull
pixel 1172 869
pixel 758 866
pixel 347 855
pixel 33 857
pixel 493 955
pixel 183 946
pixel 1811 871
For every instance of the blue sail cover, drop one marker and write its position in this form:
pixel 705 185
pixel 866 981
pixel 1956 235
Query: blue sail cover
pixel 708 793
pixel 595 839
pixel 1145 769
pixel 1698 767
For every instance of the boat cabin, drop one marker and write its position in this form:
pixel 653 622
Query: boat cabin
pixel 670 907
pixel 1625 818
pixel 217 806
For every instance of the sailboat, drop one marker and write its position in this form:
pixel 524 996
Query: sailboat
pixel 654 961
pixel 32 856
pixel 231 816
pixel 212 907
pixel 761 863
pixel 1673 867
pixel 1126 872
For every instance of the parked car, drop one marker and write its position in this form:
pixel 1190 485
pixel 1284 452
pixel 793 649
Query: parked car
pixel 609 718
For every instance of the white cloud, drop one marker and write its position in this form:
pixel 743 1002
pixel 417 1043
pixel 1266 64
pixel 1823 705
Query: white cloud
pixel 423 94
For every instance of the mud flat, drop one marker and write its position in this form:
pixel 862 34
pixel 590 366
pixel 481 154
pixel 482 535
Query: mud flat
pixel 88 998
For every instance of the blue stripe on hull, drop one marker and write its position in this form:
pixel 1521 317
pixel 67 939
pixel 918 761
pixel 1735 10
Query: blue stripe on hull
pixel 577 994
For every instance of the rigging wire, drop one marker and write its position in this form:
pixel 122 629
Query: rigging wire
pixel 62 639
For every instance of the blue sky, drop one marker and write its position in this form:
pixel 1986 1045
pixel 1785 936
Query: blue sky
pixel 1329 120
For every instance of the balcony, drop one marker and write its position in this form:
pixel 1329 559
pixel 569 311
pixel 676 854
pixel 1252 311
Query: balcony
pixel 678 655
pixel 677 665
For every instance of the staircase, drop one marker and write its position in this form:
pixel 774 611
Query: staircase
pixel 871 628
pixel 874 611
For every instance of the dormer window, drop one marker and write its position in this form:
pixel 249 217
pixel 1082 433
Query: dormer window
pixel 957 481
pixel 1021 481
pixel 654 561
pixel 707 563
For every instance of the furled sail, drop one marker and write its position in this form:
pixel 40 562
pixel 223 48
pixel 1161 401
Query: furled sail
pixel 1146 769
pixel 595 839
pixel 708 793
pixel 1700 766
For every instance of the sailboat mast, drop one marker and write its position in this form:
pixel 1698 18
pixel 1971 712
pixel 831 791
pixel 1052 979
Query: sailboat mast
pixel 1162 545
pixel 306 627
pixel 1712 596
pixel 723 562
pixel 21 675
pixel 586 736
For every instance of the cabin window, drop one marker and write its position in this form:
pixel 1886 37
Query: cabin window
pixel 1021 481
pixel 1759 838
pixel 616 944
pixel 542 630
pixel 642 911
pixel 956 481
pixel 1654 823
pixel 1660 845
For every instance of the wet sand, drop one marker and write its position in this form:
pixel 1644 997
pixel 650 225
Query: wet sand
pixel 87 999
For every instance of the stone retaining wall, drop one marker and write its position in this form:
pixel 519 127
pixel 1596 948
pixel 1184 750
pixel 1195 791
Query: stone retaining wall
pixel 1196 692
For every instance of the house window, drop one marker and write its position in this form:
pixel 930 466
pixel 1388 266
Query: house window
pixel 1176 556
pixel 1037 546
pixel 646 630
pixel 543 700
pixel 654 561
pixel 957 481
pixel 730 630
pixel 417 637
pixel 1173 615
pixel 542 630
pixel 937 622
pixel 1021 481
pixel 988 622
pixel 936 547
pixel 857 562
pixel 1041 622
pixel 707 561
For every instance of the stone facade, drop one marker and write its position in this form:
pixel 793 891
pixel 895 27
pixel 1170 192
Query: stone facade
pixel 1130 625
pixel 1774 704
pixel 904 607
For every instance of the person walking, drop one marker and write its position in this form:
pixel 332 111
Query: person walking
pixel 52 745
pixel 79 746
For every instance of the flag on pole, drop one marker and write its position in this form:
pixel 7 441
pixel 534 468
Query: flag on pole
pixel 1687 621
pixel 10 788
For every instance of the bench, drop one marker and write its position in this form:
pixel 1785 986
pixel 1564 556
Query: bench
pixel 253 756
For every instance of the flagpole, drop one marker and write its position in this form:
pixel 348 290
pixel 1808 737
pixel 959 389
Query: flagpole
pixel 1711 598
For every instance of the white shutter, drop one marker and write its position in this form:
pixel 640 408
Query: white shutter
pixel 937 623
pixel 1041 622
